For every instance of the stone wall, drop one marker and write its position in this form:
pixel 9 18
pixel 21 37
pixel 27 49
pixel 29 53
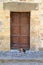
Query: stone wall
pixel 4 28
pixel 36 29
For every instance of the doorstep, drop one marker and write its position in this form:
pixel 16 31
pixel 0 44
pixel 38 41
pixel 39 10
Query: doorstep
pixel 15 55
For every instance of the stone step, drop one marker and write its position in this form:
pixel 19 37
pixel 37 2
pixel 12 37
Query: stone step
pixel 14 57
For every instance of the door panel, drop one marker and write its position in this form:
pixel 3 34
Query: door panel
pixel 24 30
pixel 15 30
pixel 20 30
pixel 24 39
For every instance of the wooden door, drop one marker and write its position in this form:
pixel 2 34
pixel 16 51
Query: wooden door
pixel 20 30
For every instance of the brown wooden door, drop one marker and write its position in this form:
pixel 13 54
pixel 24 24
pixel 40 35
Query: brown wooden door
pixel 20 30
